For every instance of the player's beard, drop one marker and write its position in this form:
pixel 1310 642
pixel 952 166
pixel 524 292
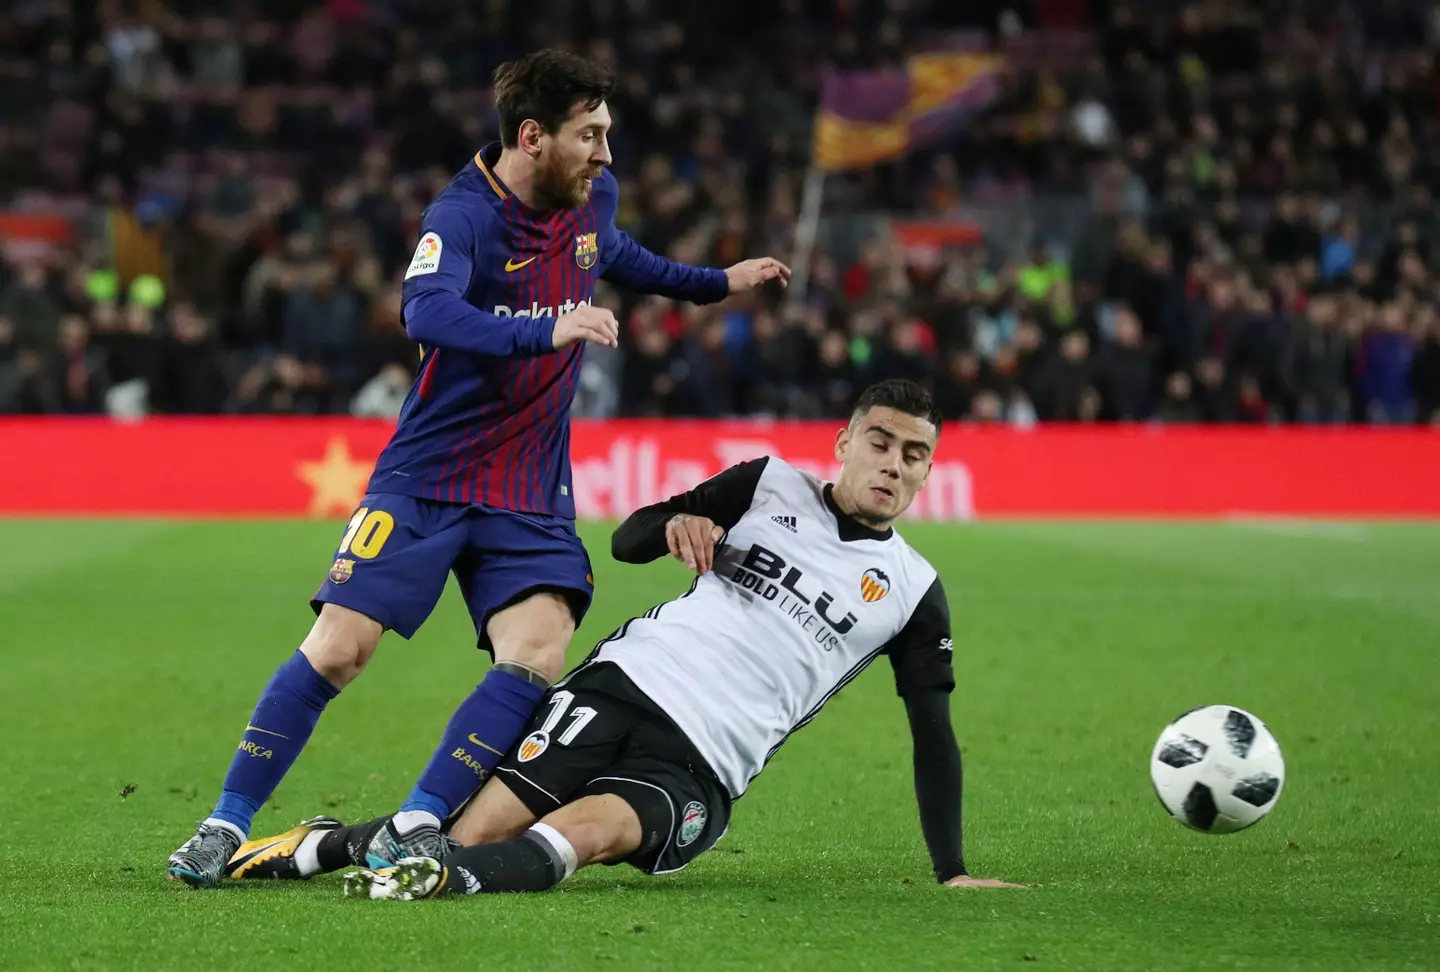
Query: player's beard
pixel 561 187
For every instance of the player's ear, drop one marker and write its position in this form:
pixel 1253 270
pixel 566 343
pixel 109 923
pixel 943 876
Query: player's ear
pixel 530 132
pixel 842 444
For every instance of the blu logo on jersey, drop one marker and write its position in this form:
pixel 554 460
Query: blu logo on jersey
pixel 761 565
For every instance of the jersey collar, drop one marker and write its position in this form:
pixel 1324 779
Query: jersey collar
pixel 485 160
pixel 849 527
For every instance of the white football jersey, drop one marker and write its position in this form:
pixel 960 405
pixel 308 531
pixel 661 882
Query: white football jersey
pixel 800 600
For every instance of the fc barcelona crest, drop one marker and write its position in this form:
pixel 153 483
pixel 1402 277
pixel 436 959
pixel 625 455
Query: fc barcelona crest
pixel 587 250
pixel 342 570
pixel 874 584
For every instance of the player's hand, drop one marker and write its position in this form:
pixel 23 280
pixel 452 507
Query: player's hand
pixel 594 324
pixel 692 540
pixel 753 273
pixel 966 881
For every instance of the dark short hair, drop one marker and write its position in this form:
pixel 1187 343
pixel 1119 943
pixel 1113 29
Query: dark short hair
pixel 546 86
pixel 902 395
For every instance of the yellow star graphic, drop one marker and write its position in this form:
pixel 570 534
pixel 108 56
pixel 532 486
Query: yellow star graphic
pixel 337 482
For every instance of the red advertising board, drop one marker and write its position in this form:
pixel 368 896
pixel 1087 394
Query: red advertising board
pixel 318 467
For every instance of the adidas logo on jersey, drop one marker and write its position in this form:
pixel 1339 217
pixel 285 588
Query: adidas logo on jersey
pixel 788 522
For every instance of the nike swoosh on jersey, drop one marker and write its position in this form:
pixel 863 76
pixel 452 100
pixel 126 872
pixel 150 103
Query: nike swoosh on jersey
pixel 511 266
pixel 482 745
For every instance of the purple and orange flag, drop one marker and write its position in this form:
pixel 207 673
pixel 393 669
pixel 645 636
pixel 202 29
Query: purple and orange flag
pixel 868 117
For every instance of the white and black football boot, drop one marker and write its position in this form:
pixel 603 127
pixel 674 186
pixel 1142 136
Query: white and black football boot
pixel 201 860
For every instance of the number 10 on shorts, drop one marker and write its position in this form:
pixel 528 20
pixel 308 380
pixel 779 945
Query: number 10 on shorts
pixel 367 533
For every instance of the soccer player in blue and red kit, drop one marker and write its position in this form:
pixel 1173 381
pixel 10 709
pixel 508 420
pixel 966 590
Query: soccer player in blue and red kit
pixel 476 479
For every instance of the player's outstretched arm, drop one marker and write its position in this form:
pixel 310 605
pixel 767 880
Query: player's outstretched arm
pixel 922 654
pixel 437 314
pixel 648 533
pixel 939 779
pixel 633 266
pixel 939 784
pixel 630 265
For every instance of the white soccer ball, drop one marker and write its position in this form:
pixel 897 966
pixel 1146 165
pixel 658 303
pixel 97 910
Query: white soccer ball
pixel 1217 769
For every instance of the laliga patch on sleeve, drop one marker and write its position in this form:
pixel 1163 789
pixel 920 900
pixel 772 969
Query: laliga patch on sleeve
pixel 427 256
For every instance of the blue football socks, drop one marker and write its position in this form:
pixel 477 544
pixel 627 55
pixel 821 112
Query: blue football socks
pixel 480 732
pixel 282 723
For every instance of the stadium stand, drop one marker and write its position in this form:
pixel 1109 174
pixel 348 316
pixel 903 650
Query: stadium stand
pixel 1214 211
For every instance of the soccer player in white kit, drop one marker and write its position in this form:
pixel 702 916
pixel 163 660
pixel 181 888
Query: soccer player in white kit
pixel 638 754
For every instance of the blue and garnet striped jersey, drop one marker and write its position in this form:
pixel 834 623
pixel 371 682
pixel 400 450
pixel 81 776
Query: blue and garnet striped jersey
pixel 488 418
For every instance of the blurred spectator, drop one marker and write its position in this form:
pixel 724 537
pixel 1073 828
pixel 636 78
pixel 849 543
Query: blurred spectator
pixel 1387 352
pixel 957 387
pixel 1064 386
pixel 383 396
pixel 1425 373
pixel 78 374
pixel 23 387
pixel 1315 364
pixel 190 377
pixel 1176 402
pixel 1339 249
pixel 1124 373
pixel 1214 396
pixel 134 351
pixel 31 308
pixel 836 383
pixel 649 380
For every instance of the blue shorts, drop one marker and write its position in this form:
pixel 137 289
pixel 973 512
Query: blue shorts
pixel 397 551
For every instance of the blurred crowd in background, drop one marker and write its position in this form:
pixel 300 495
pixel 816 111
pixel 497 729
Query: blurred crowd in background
pixel 1249 229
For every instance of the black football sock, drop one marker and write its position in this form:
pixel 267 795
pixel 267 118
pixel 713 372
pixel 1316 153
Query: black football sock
pixel 345 846
pixel 537 860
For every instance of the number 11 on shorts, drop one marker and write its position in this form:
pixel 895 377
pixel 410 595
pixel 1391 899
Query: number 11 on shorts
pixel 579 718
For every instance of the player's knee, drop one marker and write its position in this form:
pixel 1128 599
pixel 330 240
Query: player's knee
pixel 341 643
pixel 534 633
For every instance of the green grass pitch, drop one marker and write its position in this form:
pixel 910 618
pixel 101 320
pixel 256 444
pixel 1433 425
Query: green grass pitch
pixel 131 653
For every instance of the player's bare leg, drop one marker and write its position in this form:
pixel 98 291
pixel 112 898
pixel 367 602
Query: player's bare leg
pixel 336 650
pixel 592 830
pixel 534 633
pixel 341 643
pixel 496 813
pixel 529 639
pixel 601 828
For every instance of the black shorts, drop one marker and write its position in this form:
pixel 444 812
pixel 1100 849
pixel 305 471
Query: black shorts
pixel 595 733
